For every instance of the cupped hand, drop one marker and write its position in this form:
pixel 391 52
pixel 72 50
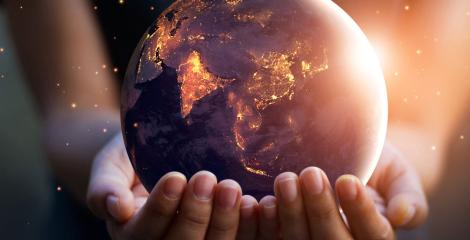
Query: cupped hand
pixel 393 198
pixel 175 209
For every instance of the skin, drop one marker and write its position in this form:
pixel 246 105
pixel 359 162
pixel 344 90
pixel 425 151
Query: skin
pixel 393 198
pixel 206 209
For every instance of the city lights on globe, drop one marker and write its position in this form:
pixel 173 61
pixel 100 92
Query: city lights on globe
pixel 248 89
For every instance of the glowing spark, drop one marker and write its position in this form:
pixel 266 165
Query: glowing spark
pixel 396 74
pixel 103 66
pixel 59 188
pixel 462 137
pixel 95 8
pixel 105 130
pixel 135 125
pixel 433 148
pixel 419 51
pixel 115 70
pixel 407 7
pixel 95 105
pixel 73 105
pixel 121 2
pixel 152 8
pixel 2 50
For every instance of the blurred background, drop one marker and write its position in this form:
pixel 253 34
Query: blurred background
pixel 30 205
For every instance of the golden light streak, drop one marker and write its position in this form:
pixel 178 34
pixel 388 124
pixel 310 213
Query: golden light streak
pixel 233 3
pixel 255 171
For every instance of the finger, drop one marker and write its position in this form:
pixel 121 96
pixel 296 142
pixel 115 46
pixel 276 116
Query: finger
pixel 407 210
pixel 155 216
pixel 290 207
pixel 363 217
pixel 109 192
pixel 226 211
pixel 195 209
pixel 248 226
pixel 324 219
pixel 268 221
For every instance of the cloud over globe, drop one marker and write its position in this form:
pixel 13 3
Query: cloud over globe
pixel 248 89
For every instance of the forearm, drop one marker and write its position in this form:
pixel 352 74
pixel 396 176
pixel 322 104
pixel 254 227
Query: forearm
pixel 68 71
pixel 72 141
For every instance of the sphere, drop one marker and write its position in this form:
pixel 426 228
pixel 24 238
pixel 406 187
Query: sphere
pixel 248 89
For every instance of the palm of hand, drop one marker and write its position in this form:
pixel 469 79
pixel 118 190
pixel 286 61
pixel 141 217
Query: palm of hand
pixel 393 198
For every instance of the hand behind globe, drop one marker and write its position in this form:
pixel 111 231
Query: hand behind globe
pixel 251 89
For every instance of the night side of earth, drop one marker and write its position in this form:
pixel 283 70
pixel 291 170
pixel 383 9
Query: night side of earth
pixel 251 89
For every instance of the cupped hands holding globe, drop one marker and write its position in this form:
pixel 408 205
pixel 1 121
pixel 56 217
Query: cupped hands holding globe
pixel 304 206
pixel 279 95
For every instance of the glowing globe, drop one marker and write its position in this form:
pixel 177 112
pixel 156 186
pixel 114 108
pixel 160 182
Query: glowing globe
pixel 249 89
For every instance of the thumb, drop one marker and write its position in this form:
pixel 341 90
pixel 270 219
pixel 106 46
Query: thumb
pixel 109 191
pixel 400 185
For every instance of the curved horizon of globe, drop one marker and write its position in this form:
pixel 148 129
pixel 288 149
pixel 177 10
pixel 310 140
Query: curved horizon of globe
pixel 228 86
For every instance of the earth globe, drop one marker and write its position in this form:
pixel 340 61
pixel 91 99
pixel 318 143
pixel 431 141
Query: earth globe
pixel 247 89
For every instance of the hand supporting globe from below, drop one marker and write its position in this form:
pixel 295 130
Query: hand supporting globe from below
pixel 251 89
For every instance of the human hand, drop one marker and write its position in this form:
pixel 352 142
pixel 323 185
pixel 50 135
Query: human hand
pixel 393 198
pixel 175 209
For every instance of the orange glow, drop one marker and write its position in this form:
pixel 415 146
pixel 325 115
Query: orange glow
pixel 196 82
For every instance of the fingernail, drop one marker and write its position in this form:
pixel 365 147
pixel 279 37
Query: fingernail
pixel 312 180
pixel 288 188
pixel 247 209
pixel 227 197
pixel 407 214
pixel 269 207
pixel 173 186
pixel 347 187
pixel 112 204
pixel 203 187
